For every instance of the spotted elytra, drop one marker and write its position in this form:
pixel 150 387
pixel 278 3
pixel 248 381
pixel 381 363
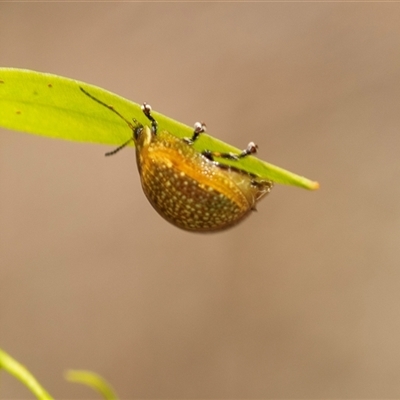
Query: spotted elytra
pixel 187 187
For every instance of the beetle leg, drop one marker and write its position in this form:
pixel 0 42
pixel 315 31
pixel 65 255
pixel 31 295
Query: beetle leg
pixel 251 149
pixel 198 128
pixel 146 108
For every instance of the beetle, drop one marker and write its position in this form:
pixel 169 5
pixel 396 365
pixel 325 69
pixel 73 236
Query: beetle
pixel 188 187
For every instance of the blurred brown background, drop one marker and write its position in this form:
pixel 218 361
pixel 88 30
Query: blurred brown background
pixel 302 299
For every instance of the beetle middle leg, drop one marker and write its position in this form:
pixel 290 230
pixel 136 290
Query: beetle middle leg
pixel 198 129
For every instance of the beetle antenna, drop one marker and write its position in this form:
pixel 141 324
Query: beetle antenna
pixel 110 107
pixel 112 152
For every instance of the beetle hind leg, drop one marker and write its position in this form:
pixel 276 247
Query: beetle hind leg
pixel 250 149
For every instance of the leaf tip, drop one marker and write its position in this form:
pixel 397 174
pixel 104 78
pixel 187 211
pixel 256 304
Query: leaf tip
pixel 314 185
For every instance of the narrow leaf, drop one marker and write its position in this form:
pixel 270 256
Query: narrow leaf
pixel 93 380
pixel 54 106
pixel 13 367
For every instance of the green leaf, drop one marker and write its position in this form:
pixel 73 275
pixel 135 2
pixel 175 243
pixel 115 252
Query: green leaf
pixel 93 380
pixel 53 106
pixel 16 369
